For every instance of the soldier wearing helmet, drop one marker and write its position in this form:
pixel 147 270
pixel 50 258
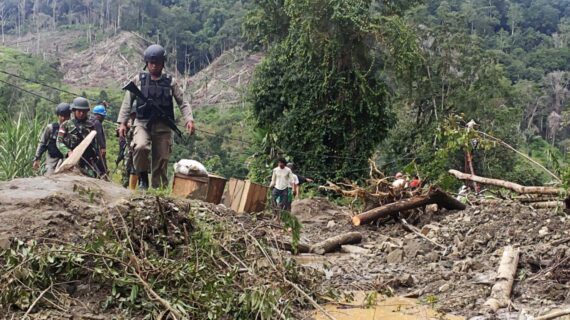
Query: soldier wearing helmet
pixel 98 116
pixel 156 139
pixel 48 140
pixel 73 131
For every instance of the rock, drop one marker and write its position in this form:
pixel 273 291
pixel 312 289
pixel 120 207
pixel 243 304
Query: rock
pixel 396 256
pixel 4 243
pixel 412 248
pixel 444 287
pixel 331 224
pixel 543 231
pixel 353 249
pixel 431 209
pixel 388 246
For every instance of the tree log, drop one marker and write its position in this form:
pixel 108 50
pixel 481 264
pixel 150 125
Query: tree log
pixel 554 315
pixel 506 184
pixel 334 243
pixel 547 204
pixel 77 153
pixel 501 291
pixel 287 246
pixel 436 196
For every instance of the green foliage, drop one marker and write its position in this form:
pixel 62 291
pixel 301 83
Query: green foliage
pixel 319 97
pixel 18 141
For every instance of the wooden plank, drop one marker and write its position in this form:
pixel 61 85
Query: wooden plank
pixel 216 187
pixel 238 194
pixel 190 186
pixel 229 194
pixel 245 197
pixel 72 161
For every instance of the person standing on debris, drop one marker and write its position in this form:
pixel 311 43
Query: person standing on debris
pixel 73 131
pixel 98 116
pixel 280 181
pixel 150 129
pixel 48 140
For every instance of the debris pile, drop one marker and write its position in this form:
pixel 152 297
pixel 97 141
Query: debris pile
pixel 170 259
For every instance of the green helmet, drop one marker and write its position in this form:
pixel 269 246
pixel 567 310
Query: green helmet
pixel 155 53
pixel 80 103
pixel 63 109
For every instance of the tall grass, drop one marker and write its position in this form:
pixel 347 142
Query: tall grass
pixel 18 142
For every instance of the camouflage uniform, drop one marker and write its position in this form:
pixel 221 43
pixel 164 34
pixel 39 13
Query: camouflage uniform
pixel 128 168
pixel 70 135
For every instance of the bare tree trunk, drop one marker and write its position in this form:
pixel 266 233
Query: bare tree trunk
pixel 507 184
pixel 3 20
pixel 54 13
pixel 501 292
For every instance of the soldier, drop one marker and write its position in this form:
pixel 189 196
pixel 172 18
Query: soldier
pixel 48 140
pixel 149 128
pixel 127 149
pixel 97 118
pixel 73 131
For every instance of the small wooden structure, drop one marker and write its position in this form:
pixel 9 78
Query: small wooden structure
pixel 245 196
pixel 209 189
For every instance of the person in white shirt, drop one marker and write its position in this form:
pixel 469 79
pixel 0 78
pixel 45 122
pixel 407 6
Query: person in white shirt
pixel 280 181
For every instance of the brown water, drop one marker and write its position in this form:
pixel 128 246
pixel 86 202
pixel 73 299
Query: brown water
pixel 393 308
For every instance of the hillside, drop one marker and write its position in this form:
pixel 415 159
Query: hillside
pixel 104 64
pixel 225 80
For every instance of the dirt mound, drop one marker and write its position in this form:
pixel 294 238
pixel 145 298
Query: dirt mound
pixel 223 81
pixel 88 249
pixel 59 206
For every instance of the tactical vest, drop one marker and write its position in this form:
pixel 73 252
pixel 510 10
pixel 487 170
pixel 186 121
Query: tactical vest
pixel 52 149
pixel 160 92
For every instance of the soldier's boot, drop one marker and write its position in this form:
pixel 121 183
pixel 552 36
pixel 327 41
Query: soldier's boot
pixel 143 181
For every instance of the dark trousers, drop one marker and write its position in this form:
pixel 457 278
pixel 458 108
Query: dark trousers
pixel 283 196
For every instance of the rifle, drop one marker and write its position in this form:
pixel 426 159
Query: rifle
pixel 132 88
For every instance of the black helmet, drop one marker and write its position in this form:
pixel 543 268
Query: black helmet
pixel 80 103
pixel 63 109
pixel 155 53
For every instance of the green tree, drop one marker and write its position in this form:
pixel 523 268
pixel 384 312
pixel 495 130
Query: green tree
pixel 322 89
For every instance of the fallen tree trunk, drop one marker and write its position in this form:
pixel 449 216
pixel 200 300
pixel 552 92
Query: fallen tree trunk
pixel 334 243
pixel 77 153
pixel 547 204
pixel 506 184
pixel 288 246
pixel 501 291
pixel 436 196
pixel 554 315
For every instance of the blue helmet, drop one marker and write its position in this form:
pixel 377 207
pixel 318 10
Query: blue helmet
pixel 99 109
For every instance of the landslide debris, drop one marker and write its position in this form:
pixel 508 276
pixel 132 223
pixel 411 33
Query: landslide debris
pixel 144 256
pixel 457 280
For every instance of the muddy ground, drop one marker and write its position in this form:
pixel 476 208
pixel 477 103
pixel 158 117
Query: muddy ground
pixel 395 261
pixel 390 260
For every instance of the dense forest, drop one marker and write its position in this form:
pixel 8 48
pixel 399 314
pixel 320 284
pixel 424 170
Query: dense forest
pixel 346 81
